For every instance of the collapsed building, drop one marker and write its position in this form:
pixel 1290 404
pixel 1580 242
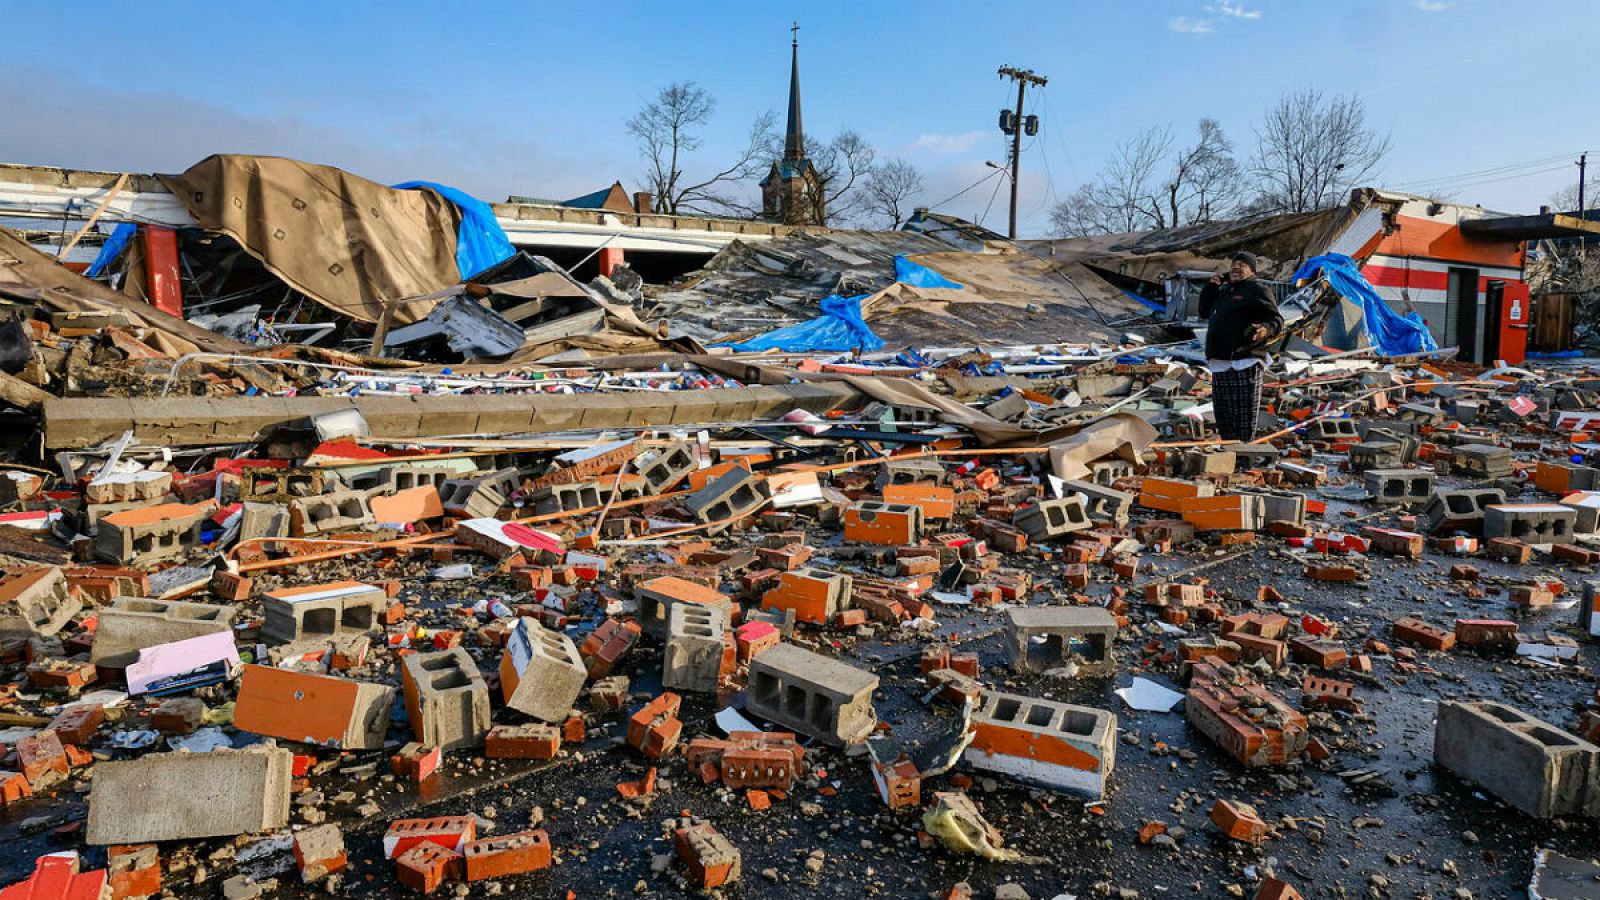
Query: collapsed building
pixel 815 556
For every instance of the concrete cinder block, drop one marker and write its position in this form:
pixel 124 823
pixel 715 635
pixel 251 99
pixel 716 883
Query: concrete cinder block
pixel 313 709
pixel 663 468
pixel 1460 510
pixel 330 512
pixel 1332 430
pixel 182 796
pixel 814 595
pixel 263 520
pixel 150 534
pixel 1530 764
pixel 36 602
pixel 1481 461
pixel 1531 523
pixel 323 611
pixel 1103 504
pixel 541 672
pixel 876 522
pixel 1048 637
pixel 658 595
pixel 555 498
pixel 1402 486
pixel 128 487
pixel 131 624
pixel 1049 520
pixel 447 699
pixel 1054 744
pixel 1377 455
pixel 813 694
pixel 696 648
pixel 734 495
pixel 909 471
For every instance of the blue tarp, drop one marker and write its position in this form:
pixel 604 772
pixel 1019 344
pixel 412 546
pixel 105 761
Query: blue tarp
pixel 1387 330
pixel 112 248
pixel 480 242
pixel 917 275
pixel 840 329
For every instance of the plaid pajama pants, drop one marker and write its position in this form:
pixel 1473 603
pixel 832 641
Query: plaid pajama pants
pixel 1236 402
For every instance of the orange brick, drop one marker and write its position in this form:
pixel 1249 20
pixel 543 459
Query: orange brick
pixel 1239 821
pixel 513 854
pixel 936 502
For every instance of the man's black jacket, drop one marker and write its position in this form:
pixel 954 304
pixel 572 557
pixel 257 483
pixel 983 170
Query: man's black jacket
pixel 1232 308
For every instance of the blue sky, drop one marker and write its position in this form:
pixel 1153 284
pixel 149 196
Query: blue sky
pixel 527 98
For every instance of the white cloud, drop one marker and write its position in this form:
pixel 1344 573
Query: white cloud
pixel 1186 25
pixel 1433 5
pixel 1234 10
pixel 948 144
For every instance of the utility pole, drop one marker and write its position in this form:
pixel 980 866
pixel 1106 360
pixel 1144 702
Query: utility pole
pixel 1583 167
pixel 1013 124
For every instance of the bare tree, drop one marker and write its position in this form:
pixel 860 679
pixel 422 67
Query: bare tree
pixel 1127 195
pixel 888 191
pixel 668 130
pixel 1205 178
pixel 1311 150
pixel 1566 199
pixel 842 165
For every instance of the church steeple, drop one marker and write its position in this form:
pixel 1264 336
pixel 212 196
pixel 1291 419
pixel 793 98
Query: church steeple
pixel 792 192
pixel 794 141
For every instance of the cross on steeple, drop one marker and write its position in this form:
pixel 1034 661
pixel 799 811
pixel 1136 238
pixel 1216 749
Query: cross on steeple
pixel 794 142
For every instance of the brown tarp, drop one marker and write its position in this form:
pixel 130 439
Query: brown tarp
pixel 25 272
pixel 351 244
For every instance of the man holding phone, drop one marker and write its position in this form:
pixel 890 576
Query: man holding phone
pixel 1242 317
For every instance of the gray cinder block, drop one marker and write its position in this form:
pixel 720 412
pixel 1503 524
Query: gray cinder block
pixel 181 796
pixel 131 624
pixel 1040 638
pixel 446 699
pixel 812 694
pixel 1068 747
pixel 1530 764
pixel 541 672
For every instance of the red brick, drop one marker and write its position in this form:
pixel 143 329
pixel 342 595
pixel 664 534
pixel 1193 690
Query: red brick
pixel 1412 630
pixel 14 788
pixel 134 871
pixel 1253 647
pixel 513 854
pixel 1322 653
pixel 655 728
pixel 1273 889
pixel 1219 703
pixel 1239 821
pixel 1332 573
pixel 42 759
pixel 426 866
pixel 452 833
pixel 319 852
pixel 416 762
pixel 606 645
pixel 1486 633
pixel 532 741
pixel 709 857
pixel 754 637
pixel 77 724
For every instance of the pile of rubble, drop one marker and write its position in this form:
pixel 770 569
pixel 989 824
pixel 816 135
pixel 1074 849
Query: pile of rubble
pixel 881 643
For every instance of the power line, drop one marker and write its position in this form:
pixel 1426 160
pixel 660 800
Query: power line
pixel 1494 170
pixel 965 189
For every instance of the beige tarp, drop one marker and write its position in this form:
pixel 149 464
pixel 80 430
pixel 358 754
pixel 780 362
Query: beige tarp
pixel 351 244
pixel 27 272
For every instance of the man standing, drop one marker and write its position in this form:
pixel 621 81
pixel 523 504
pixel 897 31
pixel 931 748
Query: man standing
pixel 1242 315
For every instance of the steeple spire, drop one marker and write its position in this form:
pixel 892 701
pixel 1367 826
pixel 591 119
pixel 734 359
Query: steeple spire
pixel 794 142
